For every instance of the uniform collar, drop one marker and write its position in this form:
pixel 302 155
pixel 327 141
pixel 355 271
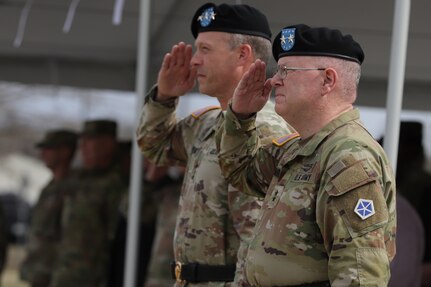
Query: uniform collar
pixel 310 145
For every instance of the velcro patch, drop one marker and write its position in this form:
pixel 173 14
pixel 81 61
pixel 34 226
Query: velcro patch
pixel 198 113
pixel 353 186
pixel 347 203
pixel 284 139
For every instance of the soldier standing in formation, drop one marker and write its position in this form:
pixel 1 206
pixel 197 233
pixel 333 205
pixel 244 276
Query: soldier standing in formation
pixel 213 218
pixel 166 195
pixel 57 151
pixel 90 210
pixel 329 216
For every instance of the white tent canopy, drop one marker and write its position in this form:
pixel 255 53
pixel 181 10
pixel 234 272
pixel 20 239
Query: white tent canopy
pixel 98 54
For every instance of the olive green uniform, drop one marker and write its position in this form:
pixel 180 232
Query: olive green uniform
pixel 89 220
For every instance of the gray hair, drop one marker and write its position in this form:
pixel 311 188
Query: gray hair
pixel 348 71
pixel 261 47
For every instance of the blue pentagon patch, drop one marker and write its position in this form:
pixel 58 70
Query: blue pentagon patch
pixel 287 39
pixel 206 17
pixel 364 208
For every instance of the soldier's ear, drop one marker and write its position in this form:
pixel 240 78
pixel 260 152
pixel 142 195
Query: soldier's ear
pixel 245 52
pixel 330 79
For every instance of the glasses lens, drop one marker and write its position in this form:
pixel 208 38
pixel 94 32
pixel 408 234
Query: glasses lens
pixel 281 72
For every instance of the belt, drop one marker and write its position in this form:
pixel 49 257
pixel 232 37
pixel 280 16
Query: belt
pixel 195 272
pixel 314 284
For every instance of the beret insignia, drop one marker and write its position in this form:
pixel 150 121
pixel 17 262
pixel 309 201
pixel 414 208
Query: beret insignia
pixel 287 39
pixel 206 17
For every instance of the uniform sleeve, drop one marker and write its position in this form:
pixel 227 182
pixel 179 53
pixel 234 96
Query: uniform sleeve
pixel 356 215
pixel 159 135
pixel 244 162
pixel 244 208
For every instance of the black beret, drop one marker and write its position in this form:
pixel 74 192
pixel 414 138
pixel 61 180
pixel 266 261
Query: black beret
pixel 58 138
pixel 239 19
pixel 99 127
pixel 302 40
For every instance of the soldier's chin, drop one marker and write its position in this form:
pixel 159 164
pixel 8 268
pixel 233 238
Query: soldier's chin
pixel 204 90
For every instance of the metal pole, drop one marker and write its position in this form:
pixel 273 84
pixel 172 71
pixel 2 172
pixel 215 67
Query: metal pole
pixel 136 172
pixel 396 78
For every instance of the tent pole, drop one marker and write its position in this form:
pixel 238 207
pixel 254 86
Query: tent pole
pixel 136 172
pixel 397 64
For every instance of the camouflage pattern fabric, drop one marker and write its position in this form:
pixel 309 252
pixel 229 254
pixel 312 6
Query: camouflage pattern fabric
pixel 88 221
pixel 159 272
pixel 213 220
pixel 308 230
pixel 44 236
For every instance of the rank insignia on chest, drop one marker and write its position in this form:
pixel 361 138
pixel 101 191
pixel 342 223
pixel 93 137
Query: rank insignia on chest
pixel 364 208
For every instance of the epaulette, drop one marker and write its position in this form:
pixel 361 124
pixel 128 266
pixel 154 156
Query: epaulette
pixel 196 114
pixel 284 139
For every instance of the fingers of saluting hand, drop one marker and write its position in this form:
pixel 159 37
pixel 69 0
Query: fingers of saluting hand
pixel 179 57
pixel 259 69
pixel 255 77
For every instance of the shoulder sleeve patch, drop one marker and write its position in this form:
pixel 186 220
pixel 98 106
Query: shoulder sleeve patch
pixel 284 139
pixel 198 113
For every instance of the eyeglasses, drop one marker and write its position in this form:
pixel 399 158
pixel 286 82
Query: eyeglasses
pixel 282 71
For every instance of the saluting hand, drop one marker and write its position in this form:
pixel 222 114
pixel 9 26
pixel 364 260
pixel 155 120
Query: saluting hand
pixel 176 76
pixel 252 92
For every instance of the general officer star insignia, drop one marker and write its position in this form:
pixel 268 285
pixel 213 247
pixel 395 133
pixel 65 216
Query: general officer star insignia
pixel 364 208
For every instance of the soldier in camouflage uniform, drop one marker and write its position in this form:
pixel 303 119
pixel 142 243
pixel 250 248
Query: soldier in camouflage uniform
pixel 57 150
pixel 90 210
pixel 329 216
pixel 213 218
pixel 166 196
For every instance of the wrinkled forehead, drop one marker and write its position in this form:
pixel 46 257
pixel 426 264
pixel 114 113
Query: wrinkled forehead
pixel 212 38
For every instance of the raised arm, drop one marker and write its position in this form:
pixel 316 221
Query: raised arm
pixel 247 156
pixel 159 136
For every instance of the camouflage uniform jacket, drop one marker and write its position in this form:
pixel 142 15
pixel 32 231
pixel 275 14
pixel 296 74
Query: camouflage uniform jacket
pixel 89 220
pixel 308 230
pixel 45 235
pixel 212 219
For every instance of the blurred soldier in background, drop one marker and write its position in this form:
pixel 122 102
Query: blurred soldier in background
pixel 3 239
pixel 57 150
pixel 165 185
pixel 414 183
pixel 146 228
pixel 90 210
